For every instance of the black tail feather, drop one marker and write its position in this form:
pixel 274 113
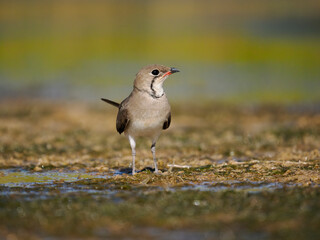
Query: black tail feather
pixel 111 102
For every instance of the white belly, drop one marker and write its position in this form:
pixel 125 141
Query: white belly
pixel 145 127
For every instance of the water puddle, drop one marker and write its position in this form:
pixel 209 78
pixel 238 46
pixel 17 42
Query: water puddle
pixel 45 184
pixel 248 186
pixel 48 183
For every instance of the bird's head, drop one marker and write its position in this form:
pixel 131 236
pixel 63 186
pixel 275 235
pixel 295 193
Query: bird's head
pixel 150 78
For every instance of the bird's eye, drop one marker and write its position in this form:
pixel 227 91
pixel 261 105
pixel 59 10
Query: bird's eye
pixel 155 72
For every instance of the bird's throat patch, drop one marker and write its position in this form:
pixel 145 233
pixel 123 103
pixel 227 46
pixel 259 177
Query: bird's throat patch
pixel 156 93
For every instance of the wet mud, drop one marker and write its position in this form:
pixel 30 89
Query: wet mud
pixel 226 172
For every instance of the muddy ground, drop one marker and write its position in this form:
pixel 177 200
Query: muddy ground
pixel 227 172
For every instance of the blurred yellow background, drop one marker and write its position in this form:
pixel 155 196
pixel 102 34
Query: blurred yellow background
pixel 239 51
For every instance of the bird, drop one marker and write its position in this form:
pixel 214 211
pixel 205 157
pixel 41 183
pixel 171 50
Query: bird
pixel 146 111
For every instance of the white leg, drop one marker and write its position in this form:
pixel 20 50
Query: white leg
pixel 133 148
pixel 153 150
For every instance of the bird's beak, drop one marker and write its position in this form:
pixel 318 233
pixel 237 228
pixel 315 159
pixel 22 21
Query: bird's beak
pixel 174 70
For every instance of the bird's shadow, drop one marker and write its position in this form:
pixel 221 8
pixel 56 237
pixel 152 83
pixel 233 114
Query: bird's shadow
pixel 129 170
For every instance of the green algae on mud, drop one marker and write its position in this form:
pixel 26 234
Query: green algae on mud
pixel 18 177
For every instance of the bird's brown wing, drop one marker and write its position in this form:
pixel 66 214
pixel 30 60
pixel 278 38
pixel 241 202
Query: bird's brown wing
pixel 167 122
pixel 122 120
pixel 123 116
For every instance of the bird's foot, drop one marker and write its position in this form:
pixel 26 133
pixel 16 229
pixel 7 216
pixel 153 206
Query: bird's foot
pixel 158 172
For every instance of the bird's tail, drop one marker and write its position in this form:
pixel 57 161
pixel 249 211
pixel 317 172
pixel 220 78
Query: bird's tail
pixel 111 102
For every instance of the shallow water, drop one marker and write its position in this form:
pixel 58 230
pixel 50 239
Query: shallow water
pixel 68 203
pixel 53 182
pixel 249 186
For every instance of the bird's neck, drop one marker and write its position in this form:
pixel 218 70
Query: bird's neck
pixel 155 90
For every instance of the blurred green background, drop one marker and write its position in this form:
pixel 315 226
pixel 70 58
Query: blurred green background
pixel 239 51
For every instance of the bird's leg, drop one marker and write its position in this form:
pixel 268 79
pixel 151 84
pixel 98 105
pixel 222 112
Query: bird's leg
pixel 153 150
pixel 133 148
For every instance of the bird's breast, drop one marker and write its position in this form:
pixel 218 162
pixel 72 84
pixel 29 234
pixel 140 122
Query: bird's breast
pixel 146 123
pixel 147 115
